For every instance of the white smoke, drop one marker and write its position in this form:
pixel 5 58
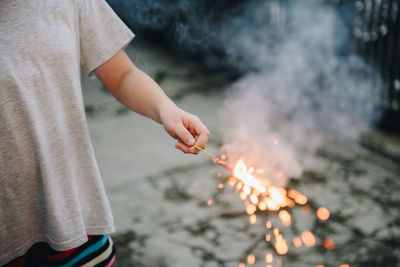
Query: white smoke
pixel 301 83
pixel 303 92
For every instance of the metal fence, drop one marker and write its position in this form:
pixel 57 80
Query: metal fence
pixel 376 33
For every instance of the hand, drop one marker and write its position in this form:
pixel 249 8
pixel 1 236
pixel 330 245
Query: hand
pixel 186 128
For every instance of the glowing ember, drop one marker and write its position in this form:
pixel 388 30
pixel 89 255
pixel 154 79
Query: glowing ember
pixel 209 202
pixel 240 172
pixel 250 209
pixel 285 217
pixel 269 257
pixel 251 259
pixel 276 232
pixel 220 185
pixel 268 224
pixel 262 206
pixel 253 219
pixel 254 199
pixel 280 245
pixel 242 264
pixel 344 265
pixel 308 238
pixel 329 244
pixel 223 157
pixel 246 190
pixel 238 187
pixel 297 242
pixel 267 237
pixel 251 170
pixel 300 199
pixel 323 213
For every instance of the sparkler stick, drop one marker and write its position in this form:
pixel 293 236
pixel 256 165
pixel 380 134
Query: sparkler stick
pixel 215 159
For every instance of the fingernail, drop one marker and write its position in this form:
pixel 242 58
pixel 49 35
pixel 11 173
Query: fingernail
pixel 190 141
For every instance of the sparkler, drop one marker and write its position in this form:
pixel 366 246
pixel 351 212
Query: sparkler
pixel 240 171
pixel 266 197
pixel 215 159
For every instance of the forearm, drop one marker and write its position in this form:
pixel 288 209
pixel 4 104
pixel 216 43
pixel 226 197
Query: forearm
pixel 140 93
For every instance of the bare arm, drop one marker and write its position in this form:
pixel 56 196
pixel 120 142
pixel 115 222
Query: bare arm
pixel 136 90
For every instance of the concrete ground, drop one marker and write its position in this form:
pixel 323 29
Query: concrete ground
pixel 160 196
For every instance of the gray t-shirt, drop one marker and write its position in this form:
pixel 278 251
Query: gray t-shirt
pixel 50 186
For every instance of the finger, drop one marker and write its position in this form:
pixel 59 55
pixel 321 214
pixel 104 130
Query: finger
pixel 184 148
pixel 203 135
pixel 189 149
pixel 184 135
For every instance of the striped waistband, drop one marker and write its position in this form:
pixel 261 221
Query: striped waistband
pixel 97 251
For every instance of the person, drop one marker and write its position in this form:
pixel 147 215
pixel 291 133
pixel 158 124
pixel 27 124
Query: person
pixel 53 207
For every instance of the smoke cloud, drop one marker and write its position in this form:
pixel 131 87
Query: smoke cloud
pixel 300 82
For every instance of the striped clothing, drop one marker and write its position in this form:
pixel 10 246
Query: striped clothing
pixel 99 250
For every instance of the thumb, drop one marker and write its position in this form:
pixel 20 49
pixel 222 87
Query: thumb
pixel 184 135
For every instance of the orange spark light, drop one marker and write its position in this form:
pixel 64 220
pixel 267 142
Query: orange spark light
pixel 242 264
pixel 254 199
pixel 308 238
pixel 269 257
pixel 329 244
pixel 251 259
pixel 209 202
pixel 285 217
pixel 323 213
pixel 344 265
pixel 267 237
pixel 300 199
pixel 240 172
pixel 253 219
pixel 268 224
pixel 280 245
pixel 220 185
pixel 262 205
pixel 250 209
pixel 297 242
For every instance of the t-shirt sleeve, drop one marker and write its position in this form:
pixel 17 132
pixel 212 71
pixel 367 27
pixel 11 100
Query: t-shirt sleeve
pixel 101 32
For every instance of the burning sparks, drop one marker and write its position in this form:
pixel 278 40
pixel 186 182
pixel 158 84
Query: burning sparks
pixel 280 245
pixel 250 209
pixel 329 244
pixel 308 238
pixel 323 213
pixel 344 265
pixel 269 257
pixel 261 195
pixel 267 237
pixel 285 217
pixel 253 219
pixel 297 242
pixel 251 259
pixel 240 172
